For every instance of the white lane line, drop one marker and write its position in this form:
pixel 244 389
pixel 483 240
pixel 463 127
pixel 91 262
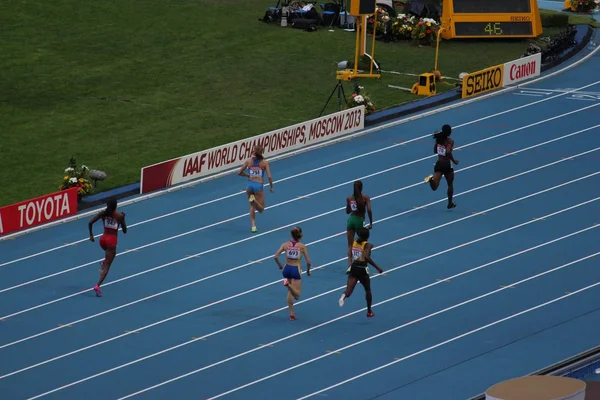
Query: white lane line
pixel 268 257
pixel 341 139
pixel 274 230
pixel 138 330
pixel 292 176
pixel 315 327
pixel 311 218
pixel 452 340
pixel 512 285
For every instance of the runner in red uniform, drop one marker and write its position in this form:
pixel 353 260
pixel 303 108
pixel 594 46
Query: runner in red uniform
pixel 111 220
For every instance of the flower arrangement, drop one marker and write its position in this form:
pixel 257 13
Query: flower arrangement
pixel 77 176
pixel 584 6
pixel 357 100
pixel 425 29
pixel 421 30
pixel 403 26
pixel 383 18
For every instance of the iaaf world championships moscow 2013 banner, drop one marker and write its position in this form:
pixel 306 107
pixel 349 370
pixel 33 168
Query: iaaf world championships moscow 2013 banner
pixel 233 155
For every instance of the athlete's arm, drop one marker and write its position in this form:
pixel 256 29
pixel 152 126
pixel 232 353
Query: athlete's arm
pixel 349 256
pixel 435 148
pixel 367 256
pixel 277 254
pixel 308 263
pixel 449 148
pixel 268 169
pixel 123 223
pixel 369 211
pixel 92 222
pixel 348 208
pixel 242 171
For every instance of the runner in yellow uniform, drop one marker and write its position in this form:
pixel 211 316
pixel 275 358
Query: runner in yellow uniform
pixel 357 205
pixel 359 256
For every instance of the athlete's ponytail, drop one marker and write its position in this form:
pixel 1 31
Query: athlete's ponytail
pixel 258 151
pixel 440 137
pixel 111 207
pixel 360 201
pixel 297 233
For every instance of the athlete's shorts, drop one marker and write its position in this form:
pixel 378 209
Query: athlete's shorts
pixel 108 241
pixel 443 166
pixel 355 223
pixel 362 274
pixel 254 187
pixel 291 272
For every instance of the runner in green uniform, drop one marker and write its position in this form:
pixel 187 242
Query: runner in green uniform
pixel 356 205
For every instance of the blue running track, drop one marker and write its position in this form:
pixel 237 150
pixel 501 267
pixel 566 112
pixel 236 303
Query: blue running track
pixel 194 308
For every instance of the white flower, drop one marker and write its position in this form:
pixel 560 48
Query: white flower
pixel 69 170
pixel 73 180
pixel 359 99
pixel 84 168
pixel 401 16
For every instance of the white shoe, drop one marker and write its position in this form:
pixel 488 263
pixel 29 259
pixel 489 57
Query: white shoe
pixel 341 300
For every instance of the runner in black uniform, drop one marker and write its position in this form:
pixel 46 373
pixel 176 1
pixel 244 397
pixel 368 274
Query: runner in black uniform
pixel 443 167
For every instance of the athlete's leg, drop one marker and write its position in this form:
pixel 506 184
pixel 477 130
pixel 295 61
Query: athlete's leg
pixel 259 200
pixel 434 180
pixel 250 194
pixel 110 254
pixel 366 282
pixel 350 236
pixel 350 285
pixel 294 290
pixel 450 180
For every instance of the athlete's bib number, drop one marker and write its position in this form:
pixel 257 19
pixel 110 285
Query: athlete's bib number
pixel 353 206
pixel 441 150
pixel 356 253
pixel 255 172
pixel 111 223
pixel 293 254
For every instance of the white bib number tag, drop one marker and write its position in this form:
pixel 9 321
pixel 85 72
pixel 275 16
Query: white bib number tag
pixel 356 253
pixel 353 206
pixel 293 253
pixel 111 223
pixel 441 150
pixel 255 172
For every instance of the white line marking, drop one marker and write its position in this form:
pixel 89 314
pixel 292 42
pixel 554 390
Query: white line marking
pixel 453 339
pixel 334 141
pixel 361 341
pixel 292 200
pixel 308 244
pixel 194 339
pixel 340 233
pixel 315 327
pixel 341 139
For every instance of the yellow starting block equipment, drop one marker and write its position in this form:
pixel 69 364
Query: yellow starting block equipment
pixel 426 85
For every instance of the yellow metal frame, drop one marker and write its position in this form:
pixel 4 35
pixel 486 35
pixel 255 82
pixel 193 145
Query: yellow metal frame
pixel 449 18
pixel 361 29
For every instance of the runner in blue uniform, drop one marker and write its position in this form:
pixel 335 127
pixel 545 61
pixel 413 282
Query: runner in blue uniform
pixel 256 167
pixel 292 271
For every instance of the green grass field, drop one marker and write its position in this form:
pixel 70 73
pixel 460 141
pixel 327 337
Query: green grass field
pixel 123 84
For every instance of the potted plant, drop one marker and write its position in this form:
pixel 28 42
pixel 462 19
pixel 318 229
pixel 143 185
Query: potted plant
pixel 77 176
